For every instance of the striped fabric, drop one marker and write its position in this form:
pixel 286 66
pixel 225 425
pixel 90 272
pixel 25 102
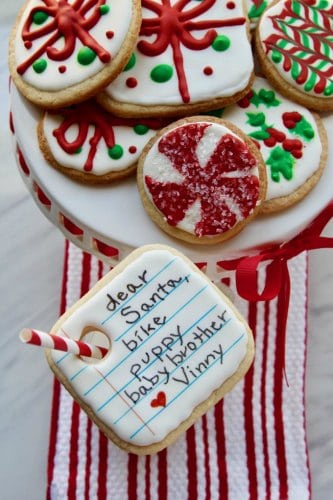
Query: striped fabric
pixel 251 445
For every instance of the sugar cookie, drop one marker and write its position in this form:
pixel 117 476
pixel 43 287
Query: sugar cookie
pixel 201 179
pixel 63 52
pixel 291 139
pixel 191 56
pixel 177 345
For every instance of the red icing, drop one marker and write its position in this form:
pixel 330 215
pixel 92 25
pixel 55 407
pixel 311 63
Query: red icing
pixel 245 102
pixel 11 123
pixel 214 185
pixel 42 196
pixel 294 146
pixel 131 82
pixel 317 31
pixel 85 115
pixel 28 45
pixel 231 5
pixel 160 400
pixel 173 25
pixel 70 21
pixel 275 136
pixel 208 70
pixel 132 150
pixel 109 34
pixel 290 119
pixel 62 69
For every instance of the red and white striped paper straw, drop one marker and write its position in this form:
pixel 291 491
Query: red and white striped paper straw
pixel 43 339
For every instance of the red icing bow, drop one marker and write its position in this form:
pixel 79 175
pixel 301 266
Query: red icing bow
pixel 277 279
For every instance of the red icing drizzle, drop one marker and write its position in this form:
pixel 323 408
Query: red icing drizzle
pixel 214 185
pixel 23 163
pixel 173 25
pixel 318 32
pixel 68 21
pixel 85 115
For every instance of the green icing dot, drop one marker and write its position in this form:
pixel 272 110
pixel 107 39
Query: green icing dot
pixel 86 56
pixel 39 17
pixel 78 151
pixel 130 63
pixel 221 43
pixel 140 129
pixel 104 9
pixel 116 152
pixel 276 56
pixel 161 73
pixel 40 65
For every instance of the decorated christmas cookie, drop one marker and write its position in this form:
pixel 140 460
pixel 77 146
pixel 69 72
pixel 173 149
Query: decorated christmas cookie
pixel 64 51
pixel 294 46
pixel 176 346
pixel 190 56
pixel 201 179
pixel 290 138
pixel 254 10
pixel 89 144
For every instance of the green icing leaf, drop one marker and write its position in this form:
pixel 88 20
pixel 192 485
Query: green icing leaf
pixel 257 11
pixel 265 97
pixel 304 129
pixel 281 162
pixel 260 135
pixel 255 119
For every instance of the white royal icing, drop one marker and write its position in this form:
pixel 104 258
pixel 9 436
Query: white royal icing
pixel 266 29
pixel 303 167
pixel 227 78
pixel 173 338
pixel 124 136
pixel 206 146
pixel 118 20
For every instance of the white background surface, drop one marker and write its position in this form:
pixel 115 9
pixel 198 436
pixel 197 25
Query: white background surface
pixel 31 256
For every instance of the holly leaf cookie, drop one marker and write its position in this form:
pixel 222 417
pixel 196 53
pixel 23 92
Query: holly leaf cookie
pixel 190 56
pixel 295 48
pixel 90 145
pixel 201 179
pixel 62 52
pixel 176 346
pixel 291 139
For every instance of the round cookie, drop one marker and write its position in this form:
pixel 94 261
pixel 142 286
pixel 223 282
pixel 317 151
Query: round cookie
pixel 177 345
pixel 90 145
pixel 291 139
pixel 191 56
pixel 293 44
pixel 201 179
pixel 63 52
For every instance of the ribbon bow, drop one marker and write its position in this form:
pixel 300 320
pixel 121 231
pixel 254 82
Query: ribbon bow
pixel 277 280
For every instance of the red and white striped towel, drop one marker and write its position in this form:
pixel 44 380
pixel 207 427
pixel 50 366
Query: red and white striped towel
pixel 251 445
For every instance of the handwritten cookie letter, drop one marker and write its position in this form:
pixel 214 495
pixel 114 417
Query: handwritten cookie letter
pixel 175 342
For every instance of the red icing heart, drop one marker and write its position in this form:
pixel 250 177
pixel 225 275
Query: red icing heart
pixel 290 119
pixel 160 400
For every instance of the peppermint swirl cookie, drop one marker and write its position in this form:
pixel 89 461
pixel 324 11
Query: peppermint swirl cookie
pixel 62 52
pixel 294 46
pixel 201 180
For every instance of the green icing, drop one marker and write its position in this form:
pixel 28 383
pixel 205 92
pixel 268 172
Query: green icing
pixel 161 73
pixel 116 152
pixel 140 129
pixel 86 56
pixel 104 9
pixel 40 65
pixel 216 112
pixel 303 129
pixel 255 119
pixel 329 90
pixel 276 56
pixel 39 17
pixel 265 97
pixel 131 62
pixel 221 43
pixel 78 151
pixel 255 12
pixel 281 162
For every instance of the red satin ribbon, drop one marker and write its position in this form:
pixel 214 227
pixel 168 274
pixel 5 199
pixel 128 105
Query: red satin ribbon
pixel 277 281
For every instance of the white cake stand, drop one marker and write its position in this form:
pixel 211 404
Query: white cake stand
pixel 110 221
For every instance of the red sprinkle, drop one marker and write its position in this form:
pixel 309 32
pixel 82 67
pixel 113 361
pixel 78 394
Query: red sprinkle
pixel 131 82
pixel 132 149
pixel 208 70
pixel 231 5
pixel 62 69
pixel 109 34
